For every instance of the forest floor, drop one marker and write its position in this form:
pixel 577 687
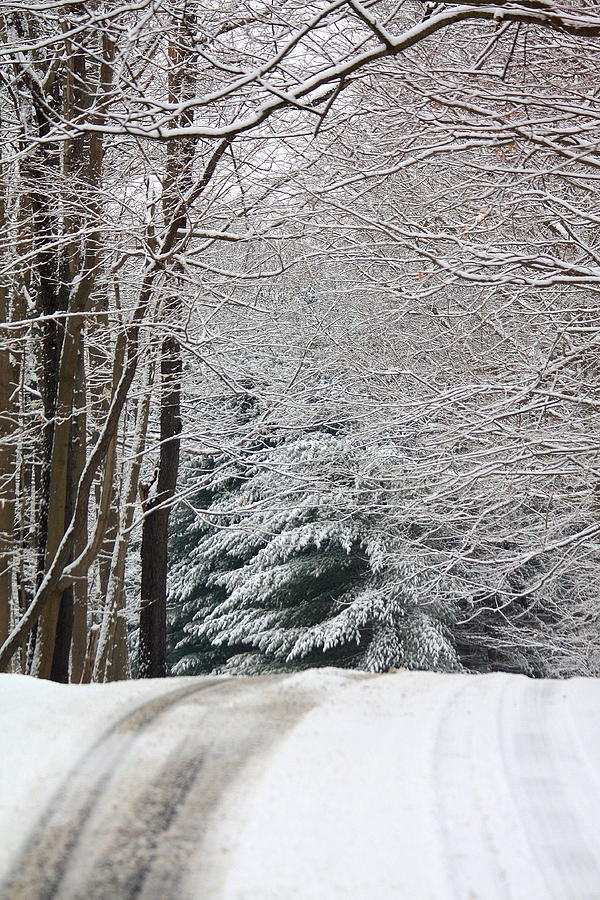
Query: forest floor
pixel 326 784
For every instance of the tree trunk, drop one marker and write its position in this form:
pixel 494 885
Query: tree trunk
pixel 112 658
pixel 8 461
pixel 59 483
pixel 77 272
pixel 176 182
pixel 71 631
pixel 153 612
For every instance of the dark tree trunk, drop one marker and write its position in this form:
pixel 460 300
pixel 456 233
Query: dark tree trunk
pixel 62 645
pixel 66 621
pixel 177 182
pixel 59 271
pixel 153 612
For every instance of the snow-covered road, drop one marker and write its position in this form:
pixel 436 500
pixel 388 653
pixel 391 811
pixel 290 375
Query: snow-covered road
pixel 326 784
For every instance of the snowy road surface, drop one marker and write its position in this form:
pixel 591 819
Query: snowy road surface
pixel 326 784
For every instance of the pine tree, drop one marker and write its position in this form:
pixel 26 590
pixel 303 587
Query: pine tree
pixel 285 570
pixel 187 578
pixel 192 593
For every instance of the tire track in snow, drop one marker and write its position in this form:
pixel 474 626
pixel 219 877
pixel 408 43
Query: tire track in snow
pixel 466 811
pixel 47 853
pixel 559 809
pixel 236 749
pixel 148 852
pixel 143 807
pixel 516 817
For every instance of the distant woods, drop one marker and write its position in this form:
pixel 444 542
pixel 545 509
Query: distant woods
pixel 298 338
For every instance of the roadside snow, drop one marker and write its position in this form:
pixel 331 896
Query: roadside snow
pixel 326 784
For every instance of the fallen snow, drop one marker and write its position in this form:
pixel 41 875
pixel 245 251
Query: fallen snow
pixel 325 784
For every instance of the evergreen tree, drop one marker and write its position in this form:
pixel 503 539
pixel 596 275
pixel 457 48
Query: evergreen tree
pixel 284 570
pixel 189 594
pixel 192 592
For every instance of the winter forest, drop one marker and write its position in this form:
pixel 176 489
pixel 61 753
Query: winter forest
pixel 300 335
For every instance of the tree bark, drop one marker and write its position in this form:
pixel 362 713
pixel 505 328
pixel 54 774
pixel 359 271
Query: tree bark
pixel 176 183
pixel 153 612
pixel 8 461
pixel 71 631
pixel 59 483
pixel 61 573
pixel 80 586
pixel 77 272
pixel 112 658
